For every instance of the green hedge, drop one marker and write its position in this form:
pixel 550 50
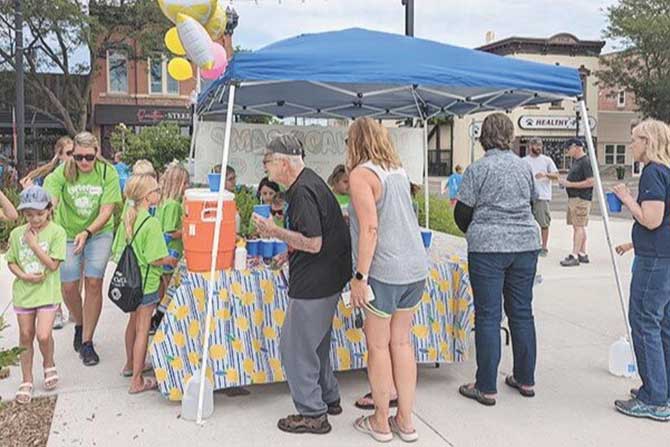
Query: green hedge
pixel 441 214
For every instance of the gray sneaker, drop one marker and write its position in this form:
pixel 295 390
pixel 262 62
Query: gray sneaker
pixel 637 408
pixel 570 261
pixel 544 252
pixel 58 320
pixel 583 259
pixel 634 392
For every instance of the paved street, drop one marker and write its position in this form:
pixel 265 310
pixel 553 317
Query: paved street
pixel 578 317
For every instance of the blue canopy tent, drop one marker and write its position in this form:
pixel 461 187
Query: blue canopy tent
pixel 357 72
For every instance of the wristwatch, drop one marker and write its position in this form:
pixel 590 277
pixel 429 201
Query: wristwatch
pixel 360 276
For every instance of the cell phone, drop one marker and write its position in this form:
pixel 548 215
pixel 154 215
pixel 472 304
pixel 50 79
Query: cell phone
pixel 346 296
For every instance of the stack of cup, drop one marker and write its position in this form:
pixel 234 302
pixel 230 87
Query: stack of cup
pixel 174 254
pixel 427 238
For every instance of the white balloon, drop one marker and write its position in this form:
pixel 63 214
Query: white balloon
pixel 196 41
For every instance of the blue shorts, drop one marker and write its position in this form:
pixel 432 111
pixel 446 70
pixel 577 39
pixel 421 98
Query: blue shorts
pixel 95 257
pixel 390 298
pixel 150 299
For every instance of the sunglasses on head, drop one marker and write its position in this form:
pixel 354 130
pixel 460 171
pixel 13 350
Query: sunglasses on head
pixel 87 157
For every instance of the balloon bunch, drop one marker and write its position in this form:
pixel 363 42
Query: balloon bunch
pixel 198 24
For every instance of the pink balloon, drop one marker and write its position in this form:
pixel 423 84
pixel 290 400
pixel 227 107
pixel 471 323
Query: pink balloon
pixel 220 63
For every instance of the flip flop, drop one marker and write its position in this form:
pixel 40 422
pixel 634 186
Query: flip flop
pixel 393 403
pixel 129 372
pixel 50 381
pixel 475 394
pixel 511 381
pixel 363 425
pixel 149 384
pixel 25 393
pixel 412 436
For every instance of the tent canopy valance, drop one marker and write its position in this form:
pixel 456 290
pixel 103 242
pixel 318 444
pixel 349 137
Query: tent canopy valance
pixel 357 72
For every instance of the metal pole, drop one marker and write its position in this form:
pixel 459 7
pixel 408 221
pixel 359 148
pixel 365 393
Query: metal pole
pixel 409 17
pixel 20 94
pixel 215 252
pixel 603 210
pixel 472 141
pixel 426 196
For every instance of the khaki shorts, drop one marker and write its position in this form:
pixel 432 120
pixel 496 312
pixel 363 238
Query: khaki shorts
pixel 578 212
pixel 542 213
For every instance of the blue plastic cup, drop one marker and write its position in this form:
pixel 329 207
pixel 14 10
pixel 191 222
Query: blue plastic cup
pixel 253 247
pixel 214 181
pixel 613 203
pixel 280 247
pixel 427 237
pixel 262 210
pixel 174 254
pixel 167 237
pixel 267 248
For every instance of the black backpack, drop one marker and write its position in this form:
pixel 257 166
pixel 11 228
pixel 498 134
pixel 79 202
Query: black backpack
pixel 126 286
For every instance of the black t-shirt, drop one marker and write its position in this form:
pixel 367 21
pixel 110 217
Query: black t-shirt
pixel 313 211
pixel 579 171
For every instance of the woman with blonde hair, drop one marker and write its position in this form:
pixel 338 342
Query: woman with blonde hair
pixel 62 153
pixel 390 259
pixel 144 167
pixel 143 232
pixel 85 190
pixel 649 308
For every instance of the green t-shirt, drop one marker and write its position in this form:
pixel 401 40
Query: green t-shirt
pixel 52 240
pixel 149 246
pixel 170 214
pixel 79 202
pixel 342 199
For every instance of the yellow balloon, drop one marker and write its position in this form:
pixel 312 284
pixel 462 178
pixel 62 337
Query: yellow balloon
pixel 200 10
pixel 173 43
pixel 180 69
pixel 217 23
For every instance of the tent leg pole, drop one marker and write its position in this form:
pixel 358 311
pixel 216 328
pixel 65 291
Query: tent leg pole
pixel 425 173
pixel 215 245
pixel 604 212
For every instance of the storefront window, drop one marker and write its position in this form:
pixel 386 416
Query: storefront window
pixel 615 154
pixel 117 72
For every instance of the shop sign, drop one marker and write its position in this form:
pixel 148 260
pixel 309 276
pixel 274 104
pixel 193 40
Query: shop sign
pixel 556 122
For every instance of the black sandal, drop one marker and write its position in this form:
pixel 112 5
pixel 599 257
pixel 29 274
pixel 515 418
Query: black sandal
pixel 511 381
pixel 475 394
pixel 393 403
pixel 298 423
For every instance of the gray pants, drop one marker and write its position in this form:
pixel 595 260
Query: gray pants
pixel 305 354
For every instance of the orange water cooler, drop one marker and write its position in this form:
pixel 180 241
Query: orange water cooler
pixel 198 230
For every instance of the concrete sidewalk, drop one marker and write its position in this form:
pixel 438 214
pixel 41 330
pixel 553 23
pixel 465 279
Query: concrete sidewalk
pixel 577 316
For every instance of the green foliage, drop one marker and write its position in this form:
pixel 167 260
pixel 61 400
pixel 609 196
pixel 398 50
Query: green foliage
pixel 8 357
pixel 159 144
pixel 6 227
pixel 245 199
pixel 641 28
pixel 441 215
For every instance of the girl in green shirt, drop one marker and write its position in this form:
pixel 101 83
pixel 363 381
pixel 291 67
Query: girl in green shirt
pixel 170 213
pixel 145 232
pixel 339 183
pixel 36 250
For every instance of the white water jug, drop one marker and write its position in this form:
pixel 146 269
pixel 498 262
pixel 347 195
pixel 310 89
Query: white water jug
pixel 240 258
pixel 622 361
pixel 189 402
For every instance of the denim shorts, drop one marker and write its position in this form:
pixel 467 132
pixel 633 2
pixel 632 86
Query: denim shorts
pixel 95 256
pixel 390 298
pixel 149 299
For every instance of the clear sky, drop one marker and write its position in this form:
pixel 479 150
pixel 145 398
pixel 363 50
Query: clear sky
pixel 458 22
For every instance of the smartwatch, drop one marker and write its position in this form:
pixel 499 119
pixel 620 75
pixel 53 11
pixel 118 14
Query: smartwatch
pixel 360 276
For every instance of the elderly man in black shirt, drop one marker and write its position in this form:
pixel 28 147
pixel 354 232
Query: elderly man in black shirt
pixel 319 268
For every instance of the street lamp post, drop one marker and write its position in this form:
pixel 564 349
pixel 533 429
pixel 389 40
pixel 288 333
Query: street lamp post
pixel 409 17
pixel 20 98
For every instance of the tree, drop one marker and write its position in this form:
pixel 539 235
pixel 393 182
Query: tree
pixel 641 29
pixel 58 32
pixel 159 144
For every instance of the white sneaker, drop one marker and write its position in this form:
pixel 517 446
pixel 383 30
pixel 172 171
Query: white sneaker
pixel 58 321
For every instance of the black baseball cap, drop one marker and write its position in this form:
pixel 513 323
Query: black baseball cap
pixel 574 141
pixel 286 144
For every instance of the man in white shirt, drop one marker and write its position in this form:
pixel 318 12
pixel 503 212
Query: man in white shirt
pixel 544 171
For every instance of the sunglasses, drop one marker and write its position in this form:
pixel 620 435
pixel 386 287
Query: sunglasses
pixel 87 157
pixel 277 212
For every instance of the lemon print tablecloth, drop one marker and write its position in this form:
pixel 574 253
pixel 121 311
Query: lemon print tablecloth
pixel 249 310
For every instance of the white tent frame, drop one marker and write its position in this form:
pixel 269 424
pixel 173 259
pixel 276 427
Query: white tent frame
pixel 422 110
